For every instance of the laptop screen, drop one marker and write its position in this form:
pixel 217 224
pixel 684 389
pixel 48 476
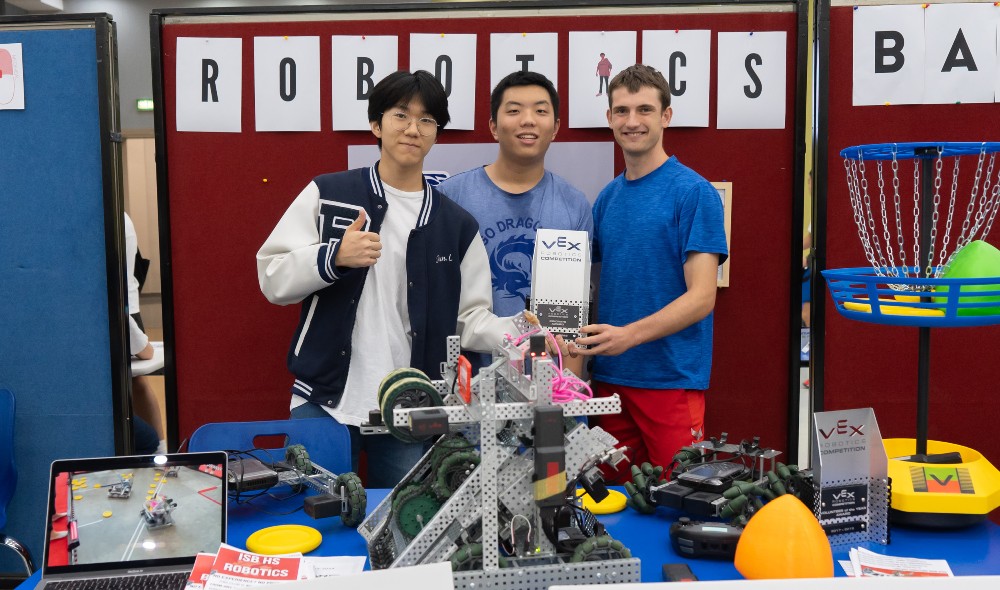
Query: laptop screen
pixel 134 512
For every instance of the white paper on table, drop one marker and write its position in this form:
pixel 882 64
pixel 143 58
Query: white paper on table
pixel 876 565
pixel 848 567
pixel 337 565
pixel 435 575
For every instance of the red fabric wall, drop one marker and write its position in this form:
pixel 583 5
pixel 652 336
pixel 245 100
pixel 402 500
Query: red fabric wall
pixel 231 343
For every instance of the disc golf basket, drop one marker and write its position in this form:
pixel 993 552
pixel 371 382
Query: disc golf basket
pixel 900 195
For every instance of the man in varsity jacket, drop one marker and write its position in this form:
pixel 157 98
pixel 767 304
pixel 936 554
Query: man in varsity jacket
pixel 385 267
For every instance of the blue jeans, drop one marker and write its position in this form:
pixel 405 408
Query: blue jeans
pixel 389 459
pixel 146 439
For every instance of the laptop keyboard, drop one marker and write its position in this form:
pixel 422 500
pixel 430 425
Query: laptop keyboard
pixel 171 581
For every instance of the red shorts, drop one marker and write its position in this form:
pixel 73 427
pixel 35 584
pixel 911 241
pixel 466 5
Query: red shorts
pixel 654 424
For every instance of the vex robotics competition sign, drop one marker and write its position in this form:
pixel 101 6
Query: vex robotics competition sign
pixel 926 54
pixel 751 74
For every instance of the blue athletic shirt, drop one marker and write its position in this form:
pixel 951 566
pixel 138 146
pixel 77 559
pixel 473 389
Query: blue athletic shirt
pixel 643 231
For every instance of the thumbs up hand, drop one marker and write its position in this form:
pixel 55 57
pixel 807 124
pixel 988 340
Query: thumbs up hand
pixel 358 248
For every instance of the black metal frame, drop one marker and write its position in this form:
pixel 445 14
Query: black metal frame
pixel 114 225
pixel 820 176
pixel 156 21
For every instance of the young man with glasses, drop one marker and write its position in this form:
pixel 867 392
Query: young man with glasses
pixel 385 268
pixel 659 237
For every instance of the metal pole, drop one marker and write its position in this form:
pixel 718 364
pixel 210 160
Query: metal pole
pixel 924 340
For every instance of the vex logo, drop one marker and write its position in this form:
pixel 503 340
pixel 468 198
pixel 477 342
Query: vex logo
pixel 843 495
pixel 561 242
pixel 843 427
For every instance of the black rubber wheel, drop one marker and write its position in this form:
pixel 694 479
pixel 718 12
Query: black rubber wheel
pixel 410 392
pixel 414 508
pixel 397 375
pixel 298 457
pixel 469 558
pixel 357 499
pixel 453 471
pixel 600 548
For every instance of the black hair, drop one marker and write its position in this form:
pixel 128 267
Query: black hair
pixel 399 87
pixel 522 78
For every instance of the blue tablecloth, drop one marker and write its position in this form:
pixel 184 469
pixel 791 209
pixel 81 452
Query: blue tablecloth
pixel 969 551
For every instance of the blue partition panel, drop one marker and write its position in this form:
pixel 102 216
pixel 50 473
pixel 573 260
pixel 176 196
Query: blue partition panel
pixel 54 335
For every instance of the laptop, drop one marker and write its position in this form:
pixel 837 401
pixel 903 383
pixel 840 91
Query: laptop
pixel 132 522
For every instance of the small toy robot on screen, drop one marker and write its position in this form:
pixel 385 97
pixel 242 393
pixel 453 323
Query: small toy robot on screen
pixel 716 480
pixel 156 512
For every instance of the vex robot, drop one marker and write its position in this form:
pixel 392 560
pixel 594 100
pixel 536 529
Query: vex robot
pixel 337 495
pixel 495 494
pixel 156 512
pixel 715 479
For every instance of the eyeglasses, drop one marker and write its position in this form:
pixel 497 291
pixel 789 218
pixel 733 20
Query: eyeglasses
pixel 401 122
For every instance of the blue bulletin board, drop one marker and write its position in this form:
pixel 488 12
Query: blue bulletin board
pixel 62 303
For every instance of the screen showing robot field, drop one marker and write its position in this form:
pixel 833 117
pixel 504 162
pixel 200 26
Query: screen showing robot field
pixel 140 514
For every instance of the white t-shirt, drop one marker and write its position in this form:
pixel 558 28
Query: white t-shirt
pixel 380 340
pixel 131 247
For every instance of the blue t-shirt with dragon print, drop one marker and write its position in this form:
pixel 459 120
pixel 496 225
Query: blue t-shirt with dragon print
pixel 508 222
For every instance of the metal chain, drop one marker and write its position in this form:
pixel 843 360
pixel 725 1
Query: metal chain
pixel 938 166
pixel 947 227
pixel 964 237
pixel 899 213
pixel 985 205
pixel 891 260
pixel 876 244
pixel 994 207
pixel 854 188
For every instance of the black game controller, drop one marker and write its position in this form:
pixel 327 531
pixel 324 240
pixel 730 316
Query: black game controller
pixel 708 540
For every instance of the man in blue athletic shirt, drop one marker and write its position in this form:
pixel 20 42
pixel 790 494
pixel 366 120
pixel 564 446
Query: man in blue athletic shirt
pixel 515 195
pixel 659 238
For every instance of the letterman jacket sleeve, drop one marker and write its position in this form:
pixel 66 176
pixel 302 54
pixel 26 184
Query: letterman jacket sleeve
pixel 288 262
pixel 480 329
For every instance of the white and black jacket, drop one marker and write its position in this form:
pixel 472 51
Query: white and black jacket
pixel 446 267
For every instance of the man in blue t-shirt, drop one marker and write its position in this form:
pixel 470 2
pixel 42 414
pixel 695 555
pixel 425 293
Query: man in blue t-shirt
pixel 659 238
pixel 515 195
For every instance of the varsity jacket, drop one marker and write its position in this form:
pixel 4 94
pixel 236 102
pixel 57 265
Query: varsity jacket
pixel 446 270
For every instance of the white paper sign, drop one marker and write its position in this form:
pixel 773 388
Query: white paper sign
pixel 996 76
pixel 11 77
pixel 685 58
pixel 209 84
pixel 961 52
pixel 751 82
pixel 888 55
pixel 359 63
pixel 452 60
pixel 595 58
pixel 534 52
pixel 286 83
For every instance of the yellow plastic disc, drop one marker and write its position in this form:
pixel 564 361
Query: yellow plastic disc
pixel 285 538
pixel 615 502
pixel 106 514
pixel 97 485
pixel 78 497
pixel 152 485
pixel 149 497
pixel 894 309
